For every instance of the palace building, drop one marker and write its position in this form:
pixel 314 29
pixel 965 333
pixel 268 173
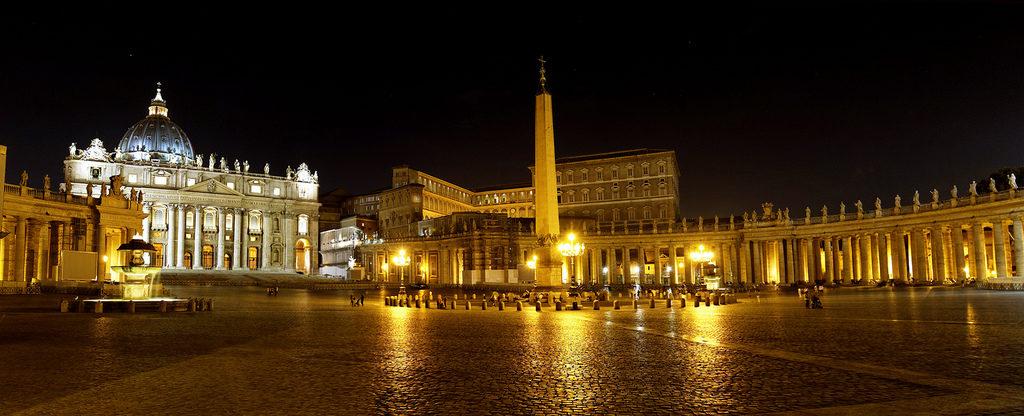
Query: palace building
pixel 624 207
pixel 205 214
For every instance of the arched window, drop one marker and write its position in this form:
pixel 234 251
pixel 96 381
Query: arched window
pixel 661 167
pixel 210 220
pixel 569 176
pixel 615 214
pixel 227 261
pixel 647 190
pixel 254 221
pixel 208 257
pixel 229 221
pixel 600 194
pixel 159 216
pixel 630 192
pixel 254 258
pixel 571 197
pixel 188 259
pixel 645 169
pixel 615 172
pixel 600 215
pixel 586 195
pixel 631 213
pixel 629 171
pixel 647 213
pixel 303 224
pixel 663 212
pixel 190 219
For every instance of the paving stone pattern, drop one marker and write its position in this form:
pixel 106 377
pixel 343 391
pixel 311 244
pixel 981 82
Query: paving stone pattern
pixel 305 352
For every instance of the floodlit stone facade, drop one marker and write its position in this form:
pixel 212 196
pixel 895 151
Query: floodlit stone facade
pixel 206 214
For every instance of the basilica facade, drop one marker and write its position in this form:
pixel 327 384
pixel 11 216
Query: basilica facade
pixel 204 214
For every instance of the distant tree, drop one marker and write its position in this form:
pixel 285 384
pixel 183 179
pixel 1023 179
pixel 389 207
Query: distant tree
pixel 1002 183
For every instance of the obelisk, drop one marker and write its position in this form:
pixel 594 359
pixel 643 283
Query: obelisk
pixel 549 259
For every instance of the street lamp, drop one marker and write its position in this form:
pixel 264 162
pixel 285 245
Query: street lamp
pixel 571 249
pixel 401 260
pixel 701 257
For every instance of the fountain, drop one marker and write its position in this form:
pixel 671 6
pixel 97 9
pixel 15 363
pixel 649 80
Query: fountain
pixel 139 280
pixel 140 288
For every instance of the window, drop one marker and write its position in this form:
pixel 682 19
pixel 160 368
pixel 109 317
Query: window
pixel 615 214
pixel 277 191
pixel 646 170
pixel 188 259
pixel 303 224
pixel 569 176
pixel 159 180
pixel 629 171
pixel 586 195
pixel 661 168
pixel 231 185
pixel 254 221
pixel 190 219
pixel 600 175
pixel 583 176
pixel 647 190
pixel 256 189
pixel 662 212
pixel 600 215
pixel 227 260
pixel 629 192
pixel 191 181
pixel 158 257
pixel 159 217
pixel 132 178
pixel 229 222
pixel 210 221
pixel 631 213
pixel 558 178
pixel 647 213
pixel 615 173
pixel 572 197
pixel 600 194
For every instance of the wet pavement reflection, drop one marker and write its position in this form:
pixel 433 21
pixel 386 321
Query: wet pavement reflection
pixel 313 352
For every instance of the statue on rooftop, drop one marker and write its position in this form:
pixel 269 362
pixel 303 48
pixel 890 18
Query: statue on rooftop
pixel 935 195
pixel 24 178
pixel 973 188
pixel 266 169
pixel 917 199
pixel 878 204
pixel 953 192
pixel 212 161
pixel 860 207
pixel 46 182
pixel 1012 179
pixel 992 185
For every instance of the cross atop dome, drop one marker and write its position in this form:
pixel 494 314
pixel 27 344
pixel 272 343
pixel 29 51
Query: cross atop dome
pixel 157 106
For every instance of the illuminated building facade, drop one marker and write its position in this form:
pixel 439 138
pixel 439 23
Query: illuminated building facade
pixel 206 215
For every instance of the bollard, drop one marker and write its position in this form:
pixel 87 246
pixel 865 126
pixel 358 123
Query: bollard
pixel 426 303
pixel 696 302
pixel 615 304
pixel 63 306
pixel 519 305
pixel 715 298
pixel 163 306
pixel 483 305
pixel 468 304
pixel 558 305
pixel 635 304
pixel 668 303
pixel 474 296
pixel 131 306
pixel 707 301
pixel 597 305
pixel 652 302
pixel 210 306
pixel 191 305
pixel 98 307
pixel 417 301
pixel 80 306
pixel 682 302
pixel 501 305
pixel 537 305
pixel 408 303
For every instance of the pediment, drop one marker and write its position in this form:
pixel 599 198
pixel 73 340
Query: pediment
pixel 212 186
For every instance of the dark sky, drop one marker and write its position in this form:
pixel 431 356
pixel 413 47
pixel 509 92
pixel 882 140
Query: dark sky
pixel 798 106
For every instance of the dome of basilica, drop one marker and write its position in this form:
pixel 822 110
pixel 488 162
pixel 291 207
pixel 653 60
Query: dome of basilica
pixel 156 137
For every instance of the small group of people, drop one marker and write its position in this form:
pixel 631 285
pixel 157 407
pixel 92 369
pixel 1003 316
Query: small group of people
pixel 354 301
pixel 812 297
pixel 272 291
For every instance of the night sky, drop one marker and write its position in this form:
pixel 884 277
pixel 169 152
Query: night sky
pixel 797 106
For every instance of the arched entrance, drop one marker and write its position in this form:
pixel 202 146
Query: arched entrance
pixel 208 257
pixel 302 256
pixel 188 259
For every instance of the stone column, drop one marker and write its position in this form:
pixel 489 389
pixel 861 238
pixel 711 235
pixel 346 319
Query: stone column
pixel 847 260
pixel 21 250
pixel 863 242
pixel 658 267
pixel 980 257
pixel 146 223
pixel 595 266
pixel 236 258
pixel 627 272
pixel 673 257
pixel 876 249
pixel 938 255
pixel 883 256
pixel 1018 247
pixel 830 265
pixel 197 237
pixel 100 235
pixel 999 242
pixel 900 245
pixel 613 266
pixel 288 221
pixel 956 234
pixel 757 276
pixel 169 249
pixel 265 238
pixel 746 263
pixel 791 274
pixel 218 262
pixel 917 255
pixel 179 239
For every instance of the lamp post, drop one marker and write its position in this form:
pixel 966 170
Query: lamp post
pixel 701 257
pixel 571 249
pixel 401 260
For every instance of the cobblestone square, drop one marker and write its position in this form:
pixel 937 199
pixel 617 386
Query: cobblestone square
pixel 903 351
